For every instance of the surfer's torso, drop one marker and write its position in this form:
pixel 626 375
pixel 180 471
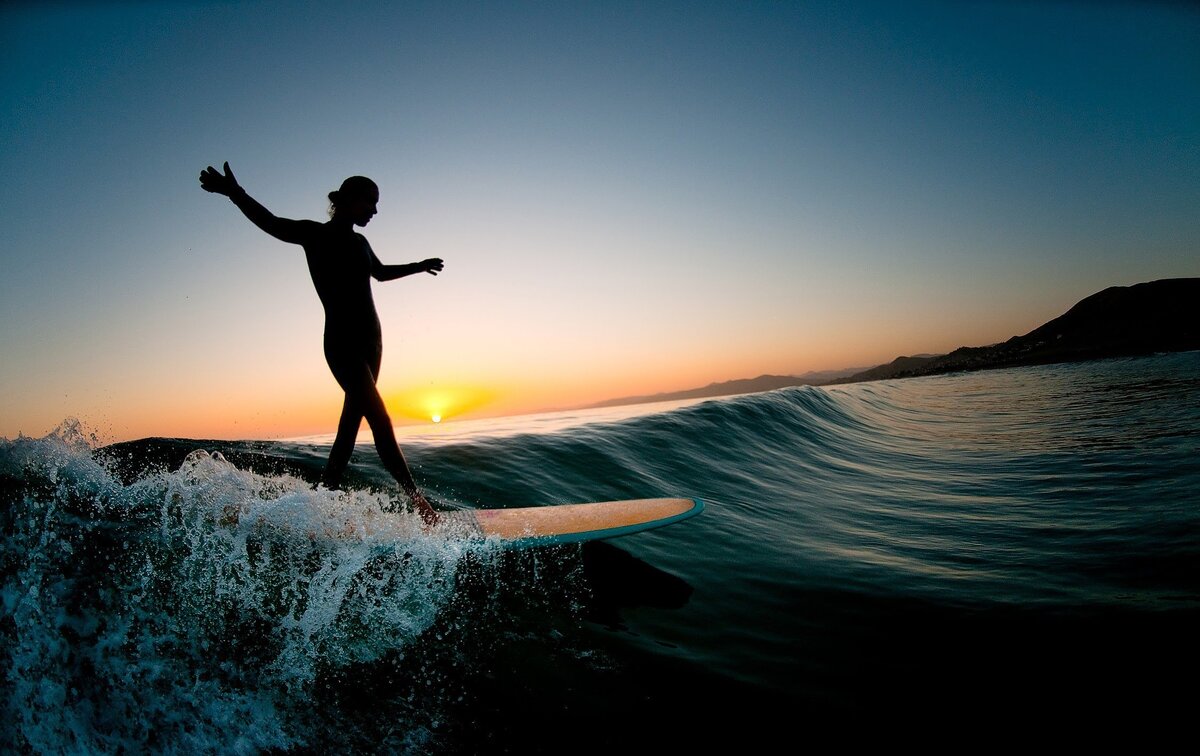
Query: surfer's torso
pixel 340 262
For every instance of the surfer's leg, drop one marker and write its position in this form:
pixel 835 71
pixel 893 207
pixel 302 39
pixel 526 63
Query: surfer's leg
pixel 389 451
pixel 347 365
pixel 357 377
pixel 343 444
pixel 393 460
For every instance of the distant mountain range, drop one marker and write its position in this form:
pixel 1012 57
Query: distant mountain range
pixel 1120 321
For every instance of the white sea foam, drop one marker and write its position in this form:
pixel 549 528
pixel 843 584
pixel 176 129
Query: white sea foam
pixel 194 610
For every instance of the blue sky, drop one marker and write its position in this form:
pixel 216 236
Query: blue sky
pixel 629 197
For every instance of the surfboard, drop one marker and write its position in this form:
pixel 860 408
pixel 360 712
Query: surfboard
pixel 570 523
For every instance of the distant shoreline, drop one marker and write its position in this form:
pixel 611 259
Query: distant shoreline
pixel 1121 321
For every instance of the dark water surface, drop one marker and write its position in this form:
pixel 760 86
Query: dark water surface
pixel 1000 553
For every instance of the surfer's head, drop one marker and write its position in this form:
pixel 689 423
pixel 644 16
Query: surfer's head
pixel 355 200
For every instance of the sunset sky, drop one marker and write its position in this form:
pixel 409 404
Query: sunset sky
pixel 630 198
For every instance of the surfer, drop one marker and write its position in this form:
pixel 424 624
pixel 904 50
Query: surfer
pixel 342 265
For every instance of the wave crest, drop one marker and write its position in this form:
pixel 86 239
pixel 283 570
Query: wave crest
pixel 208 590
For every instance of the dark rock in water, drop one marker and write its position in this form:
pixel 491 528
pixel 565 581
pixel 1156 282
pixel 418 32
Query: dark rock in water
pixel 1120 321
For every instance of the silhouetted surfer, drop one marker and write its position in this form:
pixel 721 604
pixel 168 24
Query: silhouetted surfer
pixel 342 265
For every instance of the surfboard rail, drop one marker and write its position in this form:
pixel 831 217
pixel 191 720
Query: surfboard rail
pixel 561 524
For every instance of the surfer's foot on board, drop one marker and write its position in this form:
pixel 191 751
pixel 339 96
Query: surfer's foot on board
pixel 428 514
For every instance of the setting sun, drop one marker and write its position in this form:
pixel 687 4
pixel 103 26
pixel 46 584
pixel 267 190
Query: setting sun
pixel 438 403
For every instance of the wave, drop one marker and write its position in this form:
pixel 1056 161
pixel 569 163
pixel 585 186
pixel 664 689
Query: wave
pixel 172 610
pixel 163 593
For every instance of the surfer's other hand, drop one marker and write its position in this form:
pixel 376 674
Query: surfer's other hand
pixel 211 180
pixel 432 266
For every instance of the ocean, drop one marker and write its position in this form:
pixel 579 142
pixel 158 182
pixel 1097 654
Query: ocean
pixel 960 559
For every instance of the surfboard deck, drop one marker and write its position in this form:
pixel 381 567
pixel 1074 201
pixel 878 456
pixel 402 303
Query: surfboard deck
pixel 571 523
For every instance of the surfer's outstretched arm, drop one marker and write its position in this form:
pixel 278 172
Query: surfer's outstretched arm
pixel 283 229
pixel 381 272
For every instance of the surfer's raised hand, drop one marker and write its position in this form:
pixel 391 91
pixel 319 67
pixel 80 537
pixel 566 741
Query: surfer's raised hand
pixel 212 181
pixel 432 266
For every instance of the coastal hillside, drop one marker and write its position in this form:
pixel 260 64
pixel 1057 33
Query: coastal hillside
pixel 1120 321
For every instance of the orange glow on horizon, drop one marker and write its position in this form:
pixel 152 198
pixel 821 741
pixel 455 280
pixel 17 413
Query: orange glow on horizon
pixel 244 404
pixel 437 403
